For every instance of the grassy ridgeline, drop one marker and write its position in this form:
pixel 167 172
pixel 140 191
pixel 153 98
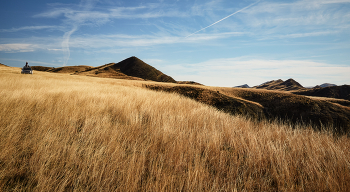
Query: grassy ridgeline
pixel 60 132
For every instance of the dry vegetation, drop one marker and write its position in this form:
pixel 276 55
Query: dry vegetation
pixel 62 132
pixel 262 104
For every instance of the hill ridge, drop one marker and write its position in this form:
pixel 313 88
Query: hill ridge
pixel 131 68
pixel 281 85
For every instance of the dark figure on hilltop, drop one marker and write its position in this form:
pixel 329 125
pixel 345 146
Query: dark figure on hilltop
pixel 27 69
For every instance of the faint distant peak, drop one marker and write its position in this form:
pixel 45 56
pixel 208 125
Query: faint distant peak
pixel 327 85
pixel 243 86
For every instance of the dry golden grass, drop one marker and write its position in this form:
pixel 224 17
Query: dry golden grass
pixel 62 132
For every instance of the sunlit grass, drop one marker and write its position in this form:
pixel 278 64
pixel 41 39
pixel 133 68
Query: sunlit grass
pixel 62 132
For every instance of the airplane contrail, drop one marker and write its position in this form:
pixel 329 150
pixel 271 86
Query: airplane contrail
pixel 223 18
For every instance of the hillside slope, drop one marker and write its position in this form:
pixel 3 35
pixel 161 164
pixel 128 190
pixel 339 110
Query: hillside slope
pixel 339 92
pixel 107 71
pixel 270 105
pixel 298 109
pixel 227 104
pixel 60 133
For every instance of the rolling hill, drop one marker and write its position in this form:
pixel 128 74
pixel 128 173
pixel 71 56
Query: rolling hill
pixel 268 101
pixel 60 133
pixel 66 69
pixel 269 105
pixel 131 68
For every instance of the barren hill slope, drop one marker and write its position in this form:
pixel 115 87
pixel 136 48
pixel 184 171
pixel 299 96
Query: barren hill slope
pixel 339 92
pixel 281 85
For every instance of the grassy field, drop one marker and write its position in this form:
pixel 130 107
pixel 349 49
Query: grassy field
pixel 61 132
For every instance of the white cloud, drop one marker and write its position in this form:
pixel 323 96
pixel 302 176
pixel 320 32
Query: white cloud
pixel 236 71
pixel 303 12
pixel 122 40
pixel 16 47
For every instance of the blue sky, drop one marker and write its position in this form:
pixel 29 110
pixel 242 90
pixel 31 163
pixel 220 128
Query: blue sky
pixel 214 42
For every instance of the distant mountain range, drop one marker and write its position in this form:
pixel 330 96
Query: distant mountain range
pixel 324 90
pixel 290 84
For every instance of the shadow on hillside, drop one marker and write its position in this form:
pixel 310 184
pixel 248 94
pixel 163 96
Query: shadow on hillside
pixel 289 108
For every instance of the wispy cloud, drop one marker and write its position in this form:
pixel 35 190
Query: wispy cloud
pixel 143 12
pixel 306 13
pixel 74 18
pixel 223 18
pixel 32 28
pixel 84 14
pixel 65 44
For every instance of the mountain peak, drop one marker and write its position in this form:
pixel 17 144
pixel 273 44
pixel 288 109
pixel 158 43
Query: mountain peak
pixel 243 86
pixel 291 82
pixel 135 67
pixel 327 85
